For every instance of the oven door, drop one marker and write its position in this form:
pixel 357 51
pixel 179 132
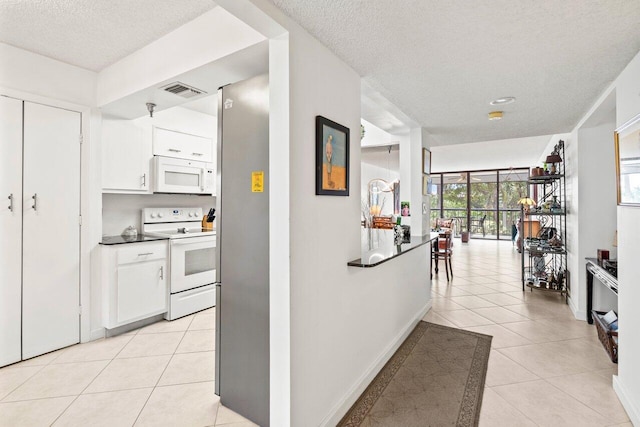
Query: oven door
pixel 193 262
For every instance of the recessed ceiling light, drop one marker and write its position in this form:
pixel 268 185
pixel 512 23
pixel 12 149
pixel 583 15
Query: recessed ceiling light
pixel 503 101
pixel 495 115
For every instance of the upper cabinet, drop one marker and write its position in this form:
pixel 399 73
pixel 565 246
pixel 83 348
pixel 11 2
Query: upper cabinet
pixel 182 145
pixel 126 156
pixel 128 146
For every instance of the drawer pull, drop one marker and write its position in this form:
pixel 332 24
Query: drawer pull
pixel 198 154
pixel 174 150
pixel 146 253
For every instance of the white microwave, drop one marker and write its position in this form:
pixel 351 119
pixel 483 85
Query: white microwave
pixel 182 176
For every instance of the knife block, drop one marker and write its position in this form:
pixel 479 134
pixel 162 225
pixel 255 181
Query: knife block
pixel 206 226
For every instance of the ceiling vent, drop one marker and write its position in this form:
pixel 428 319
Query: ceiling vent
pixel 182 90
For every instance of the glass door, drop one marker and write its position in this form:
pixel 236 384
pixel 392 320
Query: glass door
pixel 483 203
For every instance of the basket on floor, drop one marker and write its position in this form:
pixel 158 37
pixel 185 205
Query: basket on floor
pixel 608 338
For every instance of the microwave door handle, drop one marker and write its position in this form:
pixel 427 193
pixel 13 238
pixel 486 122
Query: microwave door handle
pixel 202 177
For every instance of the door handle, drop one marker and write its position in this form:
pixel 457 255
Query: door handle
pixel 35 202
pixel 161 272
pixel 144 180
pixel 174 150
pixel 10 202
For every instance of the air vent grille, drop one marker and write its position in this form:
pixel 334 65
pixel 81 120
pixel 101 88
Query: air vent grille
pixel 182 90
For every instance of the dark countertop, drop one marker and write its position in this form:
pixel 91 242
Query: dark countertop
pixel 378 246
pixel 119 240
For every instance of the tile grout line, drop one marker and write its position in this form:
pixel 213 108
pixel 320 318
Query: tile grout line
pixel 163 371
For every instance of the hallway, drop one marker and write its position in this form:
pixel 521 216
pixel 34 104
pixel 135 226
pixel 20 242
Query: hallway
pixel 545 368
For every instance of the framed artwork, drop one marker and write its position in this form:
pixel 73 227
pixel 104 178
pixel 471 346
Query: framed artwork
pixel 425 185
pixel 627 140
pixel 426 161
pixel 332 158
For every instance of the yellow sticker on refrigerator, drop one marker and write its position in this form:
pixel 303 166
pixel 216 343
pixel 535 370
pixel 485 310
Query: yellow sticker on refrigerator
pixel 257 181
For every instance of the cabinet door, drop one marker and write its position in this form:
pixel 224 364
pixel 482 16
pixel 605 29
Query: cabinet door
pixel 126 155
pixel 10 228
pixel 141 290
pixel 181 145
pixel 51 230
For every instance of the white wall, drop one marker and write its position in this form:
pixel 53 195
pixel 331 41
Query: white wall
pixel 43 76
pixel 499 154
pixel 590 206
pixel 597 194
pixel 627 383
pixel 374 136
pixel 209 37
pixel 122 210
pixel 340 335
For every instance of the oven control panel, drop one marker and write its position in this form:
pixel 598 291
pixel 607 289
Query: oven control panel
pixel 156 215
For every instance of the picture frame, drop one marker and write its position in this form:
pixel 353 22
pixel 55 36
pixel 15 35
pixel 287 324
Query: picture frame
pixel 426 161
pixel 332 158
pixel 627 151
pixel 425 185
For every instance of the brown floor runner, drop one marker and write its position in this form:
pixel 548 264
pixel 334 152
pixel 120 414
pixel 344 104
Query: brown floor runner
pixel 436 378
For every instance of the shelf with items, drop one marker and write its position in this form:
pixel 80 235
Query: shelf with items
pixel 543 228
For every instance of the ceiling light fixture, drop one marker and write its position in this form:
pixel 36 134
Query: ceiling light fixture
pixel 503 101
pixel 495 115
pixel 150 108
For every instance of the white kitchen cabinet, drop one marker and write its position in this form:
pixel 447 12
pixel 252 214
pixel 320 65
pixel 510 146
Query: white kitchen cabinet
pixel 40 228
pixel 134 282
pixel 126 156
pixel 181 145
pixel 11 228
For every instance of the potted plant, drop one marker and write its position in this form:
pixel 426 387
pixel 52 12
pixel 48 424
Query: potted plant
pixel 464 236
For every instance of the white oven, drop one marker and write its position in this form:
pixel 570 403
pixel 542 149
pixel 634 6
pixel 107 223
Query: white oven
pixel 192 257
pixel 182 176
pixel 193 262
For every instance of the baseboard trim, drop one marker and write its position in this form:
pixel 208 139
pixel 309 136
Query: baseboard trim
pixel 580 315
pixel 341 408
pixel 97 334
pixel 633 412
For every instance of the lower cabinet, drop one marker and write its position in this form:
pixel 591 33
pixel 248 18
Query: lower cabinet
pixel 134 282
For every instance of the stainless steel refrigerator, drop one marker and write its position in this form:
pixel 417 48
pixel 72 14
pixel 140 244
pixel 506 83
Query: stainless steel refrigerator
pixel 242 328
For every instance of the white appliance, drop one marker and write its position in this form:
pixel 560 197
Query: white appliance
pixel 192 257
pixel 182 176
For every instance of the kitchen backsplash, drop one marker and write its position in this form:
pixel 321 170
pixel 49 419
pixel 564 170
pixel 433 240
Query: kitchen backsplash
pixel 121 210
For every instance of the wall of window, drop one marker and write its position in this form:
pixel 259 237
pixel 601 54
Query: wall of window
pixel 483 202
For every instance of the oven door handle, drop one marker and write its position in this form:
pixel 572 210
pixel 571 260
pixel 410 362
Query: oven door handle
pixel 190 241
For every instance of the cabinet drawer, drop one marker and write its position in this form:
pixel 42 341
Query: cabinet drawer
pixel 181 145
pixel 140 252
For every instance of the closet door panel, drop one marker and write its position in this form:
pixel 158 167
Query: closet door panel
pixel 10 228
pixel 51 230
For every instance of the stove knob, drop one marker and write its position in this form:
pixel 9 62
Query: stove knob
pixel 160 215
pixel 153 215
pixel 192 214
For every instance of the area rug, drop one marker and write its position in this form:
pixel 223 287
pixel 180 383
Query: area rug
pixel 435 378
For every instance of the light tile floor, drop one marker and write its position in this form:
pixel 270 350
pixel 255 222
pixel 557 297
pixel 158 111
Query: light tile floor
pixel 159 375
pixel 546 368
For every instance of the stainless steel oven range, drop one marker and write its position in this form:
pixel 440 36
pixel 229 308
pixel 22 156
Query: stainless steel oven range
pixel 192 257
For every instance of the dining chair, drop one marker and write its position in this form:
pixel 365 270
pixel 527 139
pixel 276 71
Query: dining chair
pixel 442 250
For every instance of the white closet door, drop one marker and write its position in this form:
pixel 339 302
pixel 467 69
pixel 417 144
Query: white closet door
pixel 10 228
pixel 51 231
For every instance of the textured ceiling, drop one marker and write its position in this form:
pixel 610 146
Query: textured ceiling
pixel 92 34
pixel 442 62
